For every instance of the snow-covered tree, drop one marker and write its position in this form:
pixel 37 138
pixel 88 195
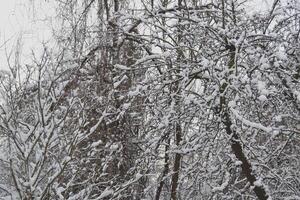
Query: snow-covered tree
pixel 161 99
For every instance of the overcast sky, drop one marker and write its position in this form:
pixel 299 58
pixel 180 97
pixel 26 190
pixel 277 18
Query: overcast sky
pixel 26 18
pixel 23 18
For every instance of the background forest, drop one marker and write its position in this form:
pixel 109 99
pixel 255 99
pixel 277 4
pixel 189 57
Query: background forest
pixel 156 99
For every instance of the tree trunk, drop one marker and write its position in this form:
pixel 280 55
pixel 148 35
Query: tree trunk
pixel 235 140
pixel 164 173
pixel 177 161
pixel 246 165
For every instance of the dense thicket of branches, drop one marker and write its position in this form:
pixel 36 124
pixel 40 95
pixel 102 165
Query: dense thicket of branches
pixel 161 99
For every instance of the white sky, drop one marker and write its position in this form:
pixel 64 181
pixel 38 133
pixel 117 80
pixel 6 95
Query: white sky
pixel 23 18
pixel 26 18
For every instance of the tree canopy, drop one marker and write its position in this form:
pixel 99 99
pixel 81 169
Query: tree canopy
pixel 160 99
